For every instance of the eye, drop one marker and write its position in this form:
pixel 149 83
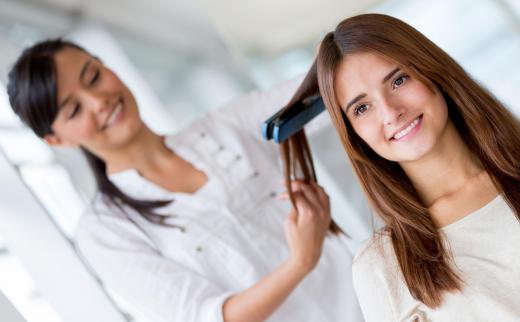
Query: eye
pixel 75 111
pixel 95 78
pixel 400 80
pixel 360 109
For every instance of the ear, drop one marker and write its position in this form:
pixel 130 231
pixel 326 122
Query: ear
pixel 55 140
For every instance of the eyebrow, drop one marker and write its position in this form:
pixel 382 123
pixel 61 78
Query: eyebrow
pixel 392 73
pixel 354 101
pixel 81 75
pixel 360 96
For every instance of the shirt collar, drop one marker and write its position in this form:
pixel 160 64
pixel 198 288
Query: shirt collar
pixel 136 186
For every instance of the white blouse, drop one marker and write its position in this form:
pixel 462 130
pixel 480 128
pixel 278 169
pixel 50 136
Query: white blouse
pixel 232 229
pixel 485 247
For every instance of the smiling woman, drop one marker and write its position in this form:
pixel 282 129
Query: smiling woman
pixel 437 156
pixel 187 227
pixel 66 100
pixel 393 109
pixel 79 93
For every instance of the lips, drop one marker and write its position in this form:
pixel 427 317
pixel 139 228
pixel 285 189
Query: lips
pixel 407 129
pixel 114 114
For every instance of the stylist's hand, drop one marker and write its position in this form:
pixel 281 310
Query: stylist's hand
pixel 307 225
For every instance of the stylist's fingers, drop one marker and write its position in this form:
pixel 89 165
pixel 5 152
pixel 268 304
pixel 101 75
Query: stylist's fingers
pixel 304 208
pixel 321 194
pixel 291 220
pixel 309 193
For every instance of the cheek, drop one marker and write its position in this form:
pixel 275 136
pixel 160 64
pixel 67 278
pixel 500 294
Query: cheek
pixel 369 131
pixel 114 84
pixel 417 95
pixel 83 131
pixel 440 109
pixel 421 97
pixel 109 82
pixel 433 105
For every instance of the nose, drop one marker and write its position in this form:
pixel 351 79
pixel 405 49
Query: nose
pixel 96 101
pixel 392 111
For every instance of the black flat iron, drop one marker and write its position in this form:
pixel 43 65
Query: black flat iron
pixel 283 124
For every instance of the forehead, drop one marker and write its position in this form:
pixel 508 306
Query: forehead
pixel 361 69
pixel 69 62
pixel 360 73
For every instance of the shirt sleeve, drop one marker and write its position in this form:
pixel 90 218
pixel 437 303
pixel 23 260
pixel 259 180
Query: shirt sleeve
pixel 371 290
pixel 158 288
pixel 249 111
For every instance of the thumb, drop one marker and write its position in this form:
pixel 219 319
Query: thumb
pixel 291 220
pixel 292 217
pixel 290 229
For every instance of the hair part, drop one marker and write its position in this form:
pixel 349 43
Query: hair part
pixel 489 130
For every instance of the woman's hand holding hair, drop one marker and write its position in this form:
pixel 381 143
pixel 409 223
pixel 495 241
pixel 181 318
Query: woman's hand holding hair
pixel 306 228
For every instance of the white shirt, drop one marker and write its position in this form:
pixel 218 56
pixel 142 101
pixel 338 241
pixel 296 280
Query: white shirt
pixel 485 247
pixel 233 225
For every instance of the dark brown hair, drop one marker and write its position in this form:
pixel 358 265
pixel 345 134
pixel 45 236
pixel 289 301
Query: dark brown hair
pixel 489 130
pixel 32 93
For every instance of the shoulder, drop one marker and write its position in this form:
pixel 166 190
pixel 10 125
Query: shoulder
pixel 374 248
pixel 375 275
pixel 99 213
pixel 375 258
pixel 105 226
pixel 256 103
pixel 277 94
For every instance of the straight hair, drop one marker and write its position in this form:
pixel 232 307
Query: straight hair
pixel 489 130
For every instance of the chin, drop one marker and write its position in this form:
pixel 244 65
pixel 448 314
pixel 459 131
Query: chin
pixel 415 154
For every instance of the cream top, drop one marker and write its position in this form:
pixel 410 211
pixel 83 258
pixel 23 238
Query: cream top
pixel 485 246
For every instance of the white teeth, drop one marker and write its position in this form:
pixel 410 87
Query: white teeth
pixel 410 127
pixel 114 114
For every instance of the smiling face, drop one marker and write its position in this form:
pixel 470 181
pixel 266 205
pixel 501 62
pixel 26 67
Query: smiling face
pixel 96 110
pixel 395 113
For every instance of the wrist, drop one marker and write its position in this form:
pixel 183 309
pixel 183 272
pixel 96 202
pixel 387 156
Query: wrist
pixel 300 267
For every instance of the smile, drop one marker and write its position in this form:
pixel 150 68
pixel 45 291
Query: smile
pixel 412 128
pixel 115 116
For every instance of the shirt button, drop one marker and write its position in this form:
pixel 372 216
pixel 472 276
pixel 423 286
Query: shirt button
pixel 256 173
pixel 272 194
pixel 199 249
pixel 238 157
pixel 202 135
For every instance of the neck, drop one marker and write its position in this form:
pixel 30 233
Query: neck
pixel 145 152
pixel 445 169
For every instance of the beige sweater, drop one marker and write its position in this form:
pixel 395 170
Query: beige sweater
pixel 486 250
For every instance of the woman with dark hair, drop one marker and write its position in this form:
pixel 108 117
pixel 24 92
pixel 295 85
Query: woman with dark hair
pixel 438 158
pixel 187 227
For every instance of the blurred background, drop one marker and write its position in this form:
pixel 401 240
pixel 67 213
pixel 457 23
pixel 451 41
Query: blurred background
pixel 181 58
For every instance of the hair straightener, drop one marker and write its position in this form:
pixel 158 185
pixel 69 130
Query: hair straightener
pixel 285 123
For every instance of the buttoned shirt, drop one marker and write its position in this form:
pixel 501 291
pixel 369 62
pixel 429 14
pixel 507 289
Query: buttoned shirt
pixel 220 240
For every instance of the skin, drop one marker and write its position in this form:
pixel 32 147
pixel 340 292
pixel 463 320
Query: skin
pixel 87 100
pixel 306 228
pixel 393 98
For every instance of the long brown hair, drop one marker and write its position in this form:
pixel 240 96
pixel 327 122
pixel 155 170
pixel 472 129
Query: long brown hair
pixel 489 130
